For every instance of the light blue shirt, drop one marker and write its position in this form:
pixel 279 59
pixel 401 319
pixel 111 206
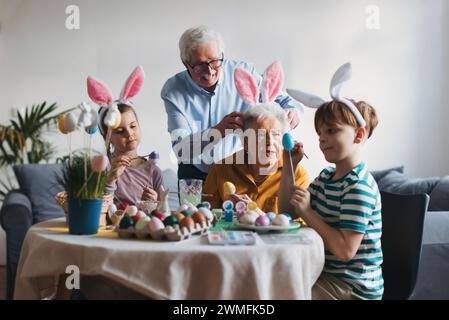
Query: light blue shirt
pixel 192 110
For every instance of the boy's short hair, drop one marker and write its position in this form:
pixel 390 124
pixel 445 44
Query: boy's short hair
pixel 335 112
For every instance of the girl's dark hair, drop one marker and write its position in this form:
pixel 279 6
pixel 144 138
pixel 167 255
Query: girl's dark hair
pixel 122 107
pixel 335 112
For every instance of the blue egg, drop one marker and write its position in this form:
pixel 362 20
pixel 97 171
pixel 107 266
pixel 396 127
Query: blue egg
pixel 287 141
pixel 289 217
pixel 92 130
pixel 271 215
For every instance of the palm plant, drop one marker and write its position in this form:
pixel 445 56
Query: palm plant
pixel 21 141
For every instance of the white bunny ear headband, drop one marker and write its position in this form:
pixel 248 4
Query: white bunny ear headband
pixel 101 95
pixel 342 75
pixel 248 89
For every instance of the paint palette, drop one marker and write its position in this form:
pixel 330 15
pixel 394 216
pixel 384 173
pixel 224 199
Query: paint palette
pixel 223 237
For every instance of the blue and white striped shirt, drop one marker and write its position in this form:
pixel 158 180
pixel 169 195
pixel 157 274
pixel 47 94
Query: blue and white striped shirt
pixel 353 203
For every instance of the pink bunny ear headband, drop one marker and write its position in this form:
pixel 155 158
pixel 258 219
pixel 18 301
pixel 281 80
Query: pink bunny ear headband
pixel 101 95
pixel 342 75
pixel 248 88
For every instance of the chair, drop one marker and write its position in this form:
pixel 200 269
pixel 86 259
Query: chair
pixel 402 230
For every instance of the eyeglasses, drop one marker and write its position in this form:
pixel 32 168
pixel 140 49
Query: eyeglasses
pixel 204 66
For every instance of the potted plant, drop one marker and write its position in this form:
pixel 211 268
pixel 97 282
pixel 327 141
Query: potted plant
pixel 84 180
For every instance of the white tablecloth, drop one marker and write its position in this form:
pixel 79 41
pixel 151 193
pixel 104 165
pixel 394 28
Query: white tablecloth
pixel 189 269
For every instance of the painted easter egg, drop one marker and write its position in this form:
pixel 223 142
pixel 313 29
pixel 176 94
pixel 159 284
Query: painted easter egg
pixel 126 222
pixel 249 218
pixel 100 163
pixel 142 223
pixel 179 216
pixel 280 220
pixel 70 122
pixel 170 221
pixel 118 120
pixel 287 141
pixel 91 130
pixel 252 206
pixel 199 218
pixel 61 125
pixel 188 223
pixel 207 213
pixel 131 211
pixel 271 215
pixel 229 188
pixel 155 224
pixel 158 215
pixel 262 221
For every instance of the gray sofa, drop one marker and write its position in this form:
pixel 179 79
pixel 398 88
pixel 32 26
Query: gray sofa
pixel 34 202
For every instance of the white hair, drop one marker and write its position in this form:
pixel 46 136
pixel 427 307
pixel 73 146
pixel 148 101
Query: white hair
pixel 194 37
pixel 266 111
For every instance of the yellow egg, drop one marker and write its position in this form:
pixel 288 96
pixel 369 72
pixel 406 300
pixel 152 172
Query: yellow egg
pixel 251 206
pixel 61 127
pixel 228 188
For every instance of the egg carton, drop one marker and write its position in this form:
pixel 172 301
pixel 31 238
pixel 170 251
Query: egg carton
pixel 170 233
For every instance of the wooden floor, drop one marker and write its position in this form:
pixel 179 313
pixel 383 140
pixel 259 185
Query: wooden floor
pixel 2 282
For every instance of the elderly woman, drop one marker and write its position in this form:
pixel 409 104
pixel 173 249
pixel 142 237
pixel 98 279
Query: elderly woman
pixel 203 97
pixel 258 171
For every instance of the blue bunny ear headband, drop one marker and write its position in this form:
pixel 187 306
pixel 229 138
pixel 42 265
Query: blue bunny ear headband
pixel 342 75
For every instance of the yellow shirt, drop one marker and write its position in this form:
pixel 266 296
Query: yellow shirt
pixel 265 194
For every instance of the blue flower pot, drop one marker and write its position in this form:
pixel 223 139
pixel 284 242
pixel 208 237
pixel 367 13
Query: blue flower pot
pixel 84 216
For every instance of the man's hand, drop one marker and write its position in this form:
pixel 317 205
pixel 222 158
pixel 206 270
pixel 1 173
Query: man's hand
pixel 231 121
pixel 293 117
pixel 301 200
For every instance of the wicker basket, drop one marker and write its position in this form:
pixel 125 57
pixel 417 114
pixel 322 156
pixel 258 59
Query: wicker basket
pixel 108 199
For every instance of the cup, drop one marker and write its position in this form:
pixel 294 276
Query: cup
pixel 190 191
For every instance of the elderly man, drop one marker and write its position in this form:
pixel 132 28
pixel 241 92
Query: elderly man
pixel 203 106
pixel 258 171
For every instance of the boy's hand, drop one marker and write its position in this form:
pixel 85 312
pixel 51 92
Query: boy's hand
pixel 118 166
pixel 301 200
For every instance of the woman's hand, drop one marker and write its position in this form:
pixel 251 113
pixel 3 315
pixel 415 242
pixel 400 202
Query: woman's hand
pixel 149 194
pixel 301 200
pixel 293 117
pixel 118 166
pixel 240 197
pixel 297 154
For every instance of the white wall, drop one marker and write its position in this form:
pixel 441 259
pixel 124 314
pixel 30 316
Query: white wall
pixel 402 69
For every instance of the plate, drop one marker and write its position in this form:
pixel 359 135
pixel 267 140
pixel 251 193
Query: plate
pixel 291 226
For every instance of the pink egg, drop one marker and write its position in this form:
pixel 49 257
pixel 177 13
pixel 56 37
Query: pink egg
pixel 155 225
pixel 100 163
pixel 262 221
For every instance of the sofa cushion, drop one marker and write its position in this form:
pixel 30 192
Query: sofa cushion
pixel 439 198
pixel 379 174
pixel 40 183
pixel 397 182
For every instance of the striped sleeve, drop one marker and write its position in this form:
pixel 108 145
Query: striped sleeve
pixel 357 205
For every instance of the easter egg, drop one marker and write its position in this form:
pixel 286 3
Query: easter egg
pixel 249 218
pixel 287 141
pixel 135 218
pixel 141 214
pixel 188 223
pixel 271 215
pixel 142 223
pixel 179 216
pixel 280 220
pixel 118 120
pixel 155 224
pixel 99 163
pixel 158 215
pixel 170 221
pixel 70 122
pixel 252 206
pixel 91 130
pixel 126 222
pixel 112 208
pixel 61 125
pixel 131 211
pixel 123 205
pixel 207 213
pixel 199 218
pixel 289 217
pixel 229 188
pixel 262 221
pixel 186 213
